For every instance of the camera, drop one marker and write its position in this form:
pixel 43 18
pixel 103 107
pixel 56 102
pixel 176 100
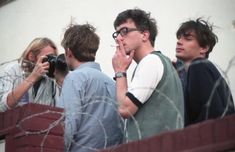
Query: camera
pixel 56 63
pixel 52 61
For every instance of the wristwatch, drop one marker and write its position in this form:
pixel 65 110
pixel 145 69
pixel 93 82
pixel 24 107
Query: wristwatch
pixel 119 75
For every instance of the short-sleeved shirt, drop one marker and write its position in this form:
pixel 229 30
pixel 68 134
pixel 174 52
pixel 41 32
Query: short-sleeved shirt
pixel 145 80
pixel 160 99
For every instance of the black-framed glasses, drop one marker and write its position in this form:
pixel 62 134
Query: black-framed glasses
pixel 124 31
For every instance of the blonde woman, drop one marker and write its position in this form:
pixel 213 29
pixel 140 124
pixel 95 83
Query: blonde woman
pixel 25 80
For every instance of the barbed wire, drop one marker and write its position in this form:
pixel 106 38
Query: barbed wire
pixel 93 101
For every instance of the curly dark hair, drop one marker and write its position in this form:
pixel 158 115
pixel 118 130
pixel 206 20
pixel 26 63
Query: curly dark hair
pixel 142 21
pixel 203 30
pixel 82 41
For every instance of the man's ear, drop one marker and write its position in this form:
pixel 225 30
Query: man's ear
pixel 68 52
pixel 146 35
pixel 203 50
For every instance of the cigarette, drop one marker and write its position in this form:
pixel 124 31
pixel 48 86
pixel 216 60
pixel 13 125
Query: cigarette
pixel 114 45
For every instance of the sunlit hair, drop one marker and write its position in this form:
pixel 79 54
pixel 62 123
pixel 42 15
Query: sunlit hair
pixel 82 41
pixel 37 45
pixel 142 21
pixel 203 32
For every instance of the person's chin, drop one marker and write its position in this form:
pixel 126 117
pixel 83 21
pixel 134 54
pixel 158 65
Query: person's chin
pixel 179 56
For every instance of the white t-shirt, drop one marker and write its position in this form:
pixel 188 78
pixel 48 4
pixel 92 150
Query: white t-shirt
pixel 148 74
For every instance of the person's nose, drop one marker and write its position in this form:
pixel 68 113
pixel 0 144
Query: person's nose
pixel 119 37
pixel 179 41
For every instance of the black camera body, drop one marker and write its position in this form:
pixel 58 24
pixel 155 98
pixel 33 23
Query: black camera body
pixel 52 61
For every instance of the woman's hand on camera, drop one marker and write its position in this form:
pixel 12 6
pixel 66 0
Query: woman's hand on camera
pixel 40 69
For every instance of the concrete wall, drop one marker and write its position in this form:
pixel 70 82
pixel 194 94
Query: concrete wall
pixel 23 20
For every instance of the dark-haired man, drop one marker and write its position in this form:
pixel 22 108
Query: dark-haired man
pixel 153 101
pixel 207 94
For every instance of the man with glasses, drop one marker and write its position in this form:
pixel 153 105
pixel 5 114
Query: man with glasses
pixel 153 101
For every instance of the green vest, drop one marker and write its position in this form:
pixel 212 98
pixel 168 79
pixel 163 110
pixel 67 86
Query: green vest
pixel 164 110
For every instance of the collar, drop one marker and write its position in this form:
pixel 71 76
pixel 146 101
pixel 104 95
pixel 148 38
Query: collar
pixel 94 65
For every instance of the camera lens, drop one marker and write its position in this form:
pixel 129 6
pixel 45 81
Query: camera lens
pixel 51 59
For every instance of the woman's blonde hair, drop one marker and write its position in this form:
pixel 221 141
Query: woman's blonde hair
pixel 36 45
